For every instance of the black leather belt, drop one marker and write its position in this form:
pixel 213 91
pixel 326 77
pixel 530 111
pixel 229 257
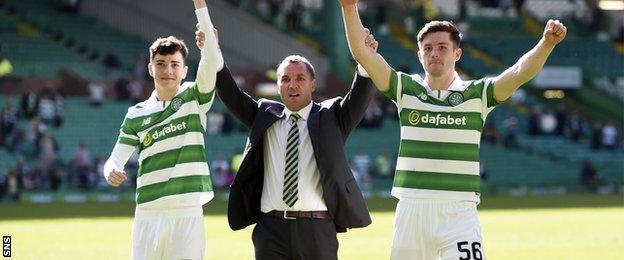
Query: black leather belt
pixel 300 214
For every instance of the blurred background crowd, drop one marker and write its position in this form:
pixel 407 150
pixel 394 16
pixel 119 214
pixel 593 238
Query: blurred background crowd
pixel 69 69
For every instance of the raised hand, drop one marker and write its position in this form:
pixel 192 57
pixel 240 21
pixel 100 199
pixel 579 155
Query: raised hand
pixel 200 37
pixel 370 41
pixel 115 178
pixel 554 32
pixel 348 2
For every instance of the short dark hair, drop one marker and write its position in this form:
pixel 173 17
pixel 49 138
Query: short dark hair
pixel 295 59
pixel 168 46
pixel 440 26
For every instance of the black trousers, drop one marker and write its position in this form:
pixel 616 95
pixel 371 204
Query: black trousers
pixel 276 238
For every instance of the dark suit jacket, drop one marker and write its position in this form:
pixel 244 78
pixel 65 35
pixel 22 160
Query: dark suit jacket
pixel 329 124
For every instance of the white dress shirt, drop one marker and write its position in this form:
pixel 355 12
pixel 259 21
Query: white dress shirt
pixel 310 192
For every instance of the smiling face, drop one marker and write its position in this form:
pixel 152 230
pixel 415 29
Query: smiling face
pixel 438 54
pixel 295 84
pixel 168 71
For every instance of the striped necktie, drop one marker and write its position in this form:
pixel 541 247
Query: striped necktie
pixel 291 172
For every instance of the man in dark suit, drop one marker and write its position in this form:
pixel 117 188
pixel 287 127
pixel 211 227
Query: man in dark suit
pixel 294 181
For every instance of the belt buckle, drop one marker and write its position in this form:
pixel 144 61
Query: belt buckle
pixel 286 217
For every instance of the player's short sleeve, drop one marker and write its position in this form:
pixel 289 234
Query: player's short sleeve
pixel 204 99
pixel 488 88
pixel 127 133
pixel 395 86
pixel 487 97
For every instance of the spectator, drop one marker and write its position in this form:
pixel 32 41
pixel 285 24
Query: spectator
pixel 518 97
pixel 236 161
pixel 589 175
pixel 373 117
pixel 135 89
pixel 112 64
pixel 81 166
pixel 8 120
pixel 48 161
pixel 560 116
pixel 95 178
pixel 596 139
pixel 383 166
pixel 97 88
pixel 69 6
pixel 575 127
pixel 548 123
pixel 490 134
pixel 609 136
pixel 511 131
pixel 483 172
pixel 215 123
pixel 121 89
pixel 294 15
pixel 47 106
pixel 139 70
pixel 15 140
pixel 220 172
pixel 362 164
pixel 36 131
pixel 3 184
pixel 534 121
pixel 6 68
pixel 12 184
pixel 380 19
pixel 29 104
pixel 59 110
pixel 619 28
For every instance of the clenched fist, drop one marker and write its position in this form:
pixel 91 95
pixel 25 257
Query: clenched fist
pixel 115 177
pixel 370 41
pixel 200 37
pixel 554 32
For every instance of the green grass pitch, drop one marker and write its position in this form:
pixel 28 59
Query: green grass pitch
pixel 562 227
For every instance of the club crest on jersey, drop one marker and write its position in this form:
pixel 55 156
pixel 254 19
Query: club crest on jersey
pixel 176 103
pixel 455 98
pixel 422 96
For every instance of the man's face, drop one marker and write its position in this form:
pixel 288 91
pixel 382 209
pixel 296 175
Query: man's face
pixel 295 85
pixel 168 70
pixel 438 54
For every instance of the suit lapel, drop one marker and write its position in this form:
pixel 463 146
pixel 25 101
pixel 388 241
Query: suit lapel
pixel 313 126
pixel 270 114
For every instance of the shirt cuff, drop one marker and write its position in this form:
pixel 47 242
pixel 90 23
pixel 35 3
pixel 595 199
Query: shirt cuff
pixel 362 72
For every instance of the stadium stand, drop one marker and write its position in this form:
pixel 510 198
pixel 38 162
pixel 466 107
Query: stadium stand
pixel 70 41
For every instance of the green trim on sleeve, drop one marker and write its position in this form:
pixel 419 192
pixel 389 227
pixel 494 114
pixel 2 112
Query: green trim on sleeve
pixel 489 86
pixel 391 93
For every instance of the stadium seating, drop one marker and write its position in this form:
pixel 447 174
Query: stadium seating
pixel 81 34
pixel 41 57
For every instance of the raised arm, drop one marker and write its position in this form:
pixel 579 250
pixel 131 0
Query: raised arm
pixel 238 102
pixel 375 65
pixel 527 67
pixel 211 57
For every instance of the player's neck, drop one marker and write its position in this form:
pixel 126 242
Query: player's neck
pixel 442 82
pixel 165 94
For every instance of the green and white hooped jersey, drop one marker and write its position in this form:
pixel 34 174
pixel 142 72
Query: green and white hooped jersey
pixel 440 135
pixel 169 136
